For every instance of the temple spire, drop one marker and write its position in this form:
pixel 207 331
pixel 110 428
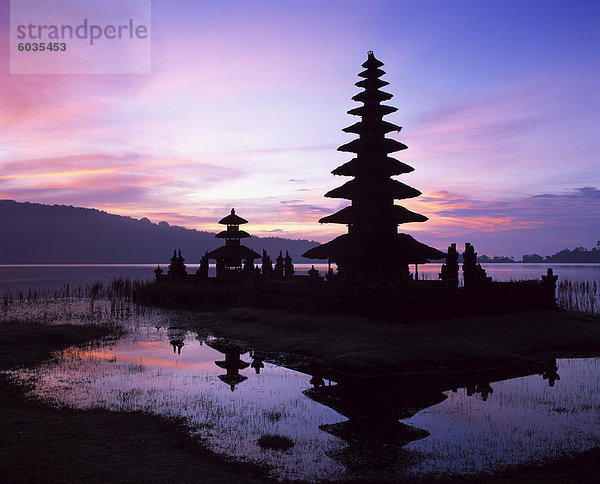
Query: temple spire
pixel 372 217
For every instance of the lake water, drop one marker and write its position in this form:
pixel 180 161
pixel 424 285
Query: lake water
pixel 230 394
pixel 50 277
pixel 15 279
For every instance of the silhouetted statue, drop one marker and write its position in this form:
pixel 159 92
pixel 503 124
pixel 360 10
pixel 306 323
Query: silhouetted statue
pixel 267 265
pixel 248 266
pixel 288 266
pixel 449 272
pixel 549 282
pixel 474 275
pixel 158 273
pixel 279 267
pixel 202 271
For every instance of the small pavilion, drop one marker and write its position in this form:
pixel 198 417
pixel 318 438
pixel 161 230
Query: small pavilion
pixel 230 256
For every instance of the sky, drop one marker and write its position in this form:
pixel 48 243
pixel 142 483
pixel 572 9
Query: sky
pixel 245 102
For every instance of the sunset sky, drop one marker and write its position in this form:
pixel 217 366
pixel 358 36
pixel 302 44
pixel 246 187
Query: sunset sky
pixel 499 102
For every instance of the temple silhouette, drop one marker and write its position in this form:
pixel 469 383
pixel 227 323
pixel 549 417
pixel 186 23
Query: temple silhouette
pixel 372 258
pixel 229 257
pixel 373 249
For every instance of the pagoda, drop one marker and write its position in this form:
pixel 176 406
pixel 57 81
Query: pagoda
pixel 373 249
pixel 230 256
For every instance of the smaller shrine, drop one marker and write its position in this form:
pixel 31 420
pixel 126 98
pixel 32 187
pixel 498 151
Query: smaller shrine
pixel 230 257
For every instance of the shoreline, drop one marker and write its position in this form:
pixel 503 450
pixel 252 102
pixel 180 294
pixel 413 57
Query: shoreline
pixel 358 347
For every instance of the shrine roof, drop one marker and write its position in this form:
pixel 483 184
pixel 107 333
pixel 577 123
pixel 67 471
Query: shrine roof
pixel 355 215
pixel 362 247
pixel 233 219
pixel 383 165
pixel 233 252
pixel 228 234
pixel 360 187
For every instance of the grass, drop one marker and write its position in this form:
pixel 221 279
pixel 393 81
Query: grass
pixel 275 442
pixel 43 444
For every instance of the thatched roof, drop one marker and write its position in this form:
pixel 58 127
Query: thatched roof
pixel 353 215
pixel 362 145
pixel 366 127
pixel 376 165
pixel 230 364
pixel 364 247
pixel 233 219
pixel 386 187
pixel 228 234
pixel 377 110
pixel 371 82
pixel 372 73
pixel 372 95
pixel 233 252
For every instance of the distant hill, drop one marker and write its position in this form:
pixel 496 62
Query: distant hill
pixel 33 233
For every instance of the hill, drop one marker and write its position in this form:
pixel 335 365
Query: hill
pixel 34 233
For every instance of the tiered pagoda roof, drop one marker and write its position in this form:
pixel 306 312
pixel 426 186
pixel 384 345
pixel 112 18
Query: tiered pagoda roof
pixel 373 248
pixel 232 253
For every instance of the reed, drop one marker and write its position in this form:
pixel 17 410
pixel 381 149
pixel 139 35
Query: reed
pixel 579 296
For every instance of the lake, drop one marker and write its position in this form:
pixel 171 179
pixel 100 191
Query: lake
pixel 49 277
pixel 22 278
pixel 230 394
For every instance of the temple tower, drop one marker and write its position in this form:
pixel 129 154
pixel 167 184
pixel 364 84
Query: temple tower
pixel 373 249
pixel 230 256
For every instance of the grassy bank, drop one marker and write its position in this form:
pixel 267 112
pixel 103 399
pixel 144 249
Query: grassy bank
pixel 42 444
pixel 356 346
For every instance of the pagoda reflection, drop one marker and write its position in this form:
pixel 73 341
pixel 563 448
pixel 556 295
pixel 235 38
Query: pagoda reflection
pixel 232 362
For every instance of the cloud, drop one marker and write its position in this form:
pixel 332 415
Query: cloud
pixel 542 223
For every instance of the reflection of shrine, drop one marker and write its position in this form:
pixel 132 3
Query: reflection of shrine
pixel 232 363
pixel 257 361
pixel 373 432
pixel 176 339
pixel 550 373
pixel 375 406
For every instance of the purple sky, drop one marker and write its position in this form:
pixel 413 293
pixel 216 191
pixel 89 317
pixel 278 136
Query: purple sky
pixel 498 99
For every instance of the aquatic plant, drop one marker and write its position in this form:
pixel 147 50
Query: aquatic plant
pixel 275 442
pixel 579 296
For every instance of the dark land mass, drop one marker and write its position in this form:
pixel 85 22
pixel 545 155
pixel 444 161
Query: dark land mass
pixel 34 233
pixel 359 347
pixel 579 255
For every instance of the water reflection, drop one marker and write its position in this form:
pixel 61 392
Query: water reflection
pixel 376 430
pixel 143 372
pixel 232 363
